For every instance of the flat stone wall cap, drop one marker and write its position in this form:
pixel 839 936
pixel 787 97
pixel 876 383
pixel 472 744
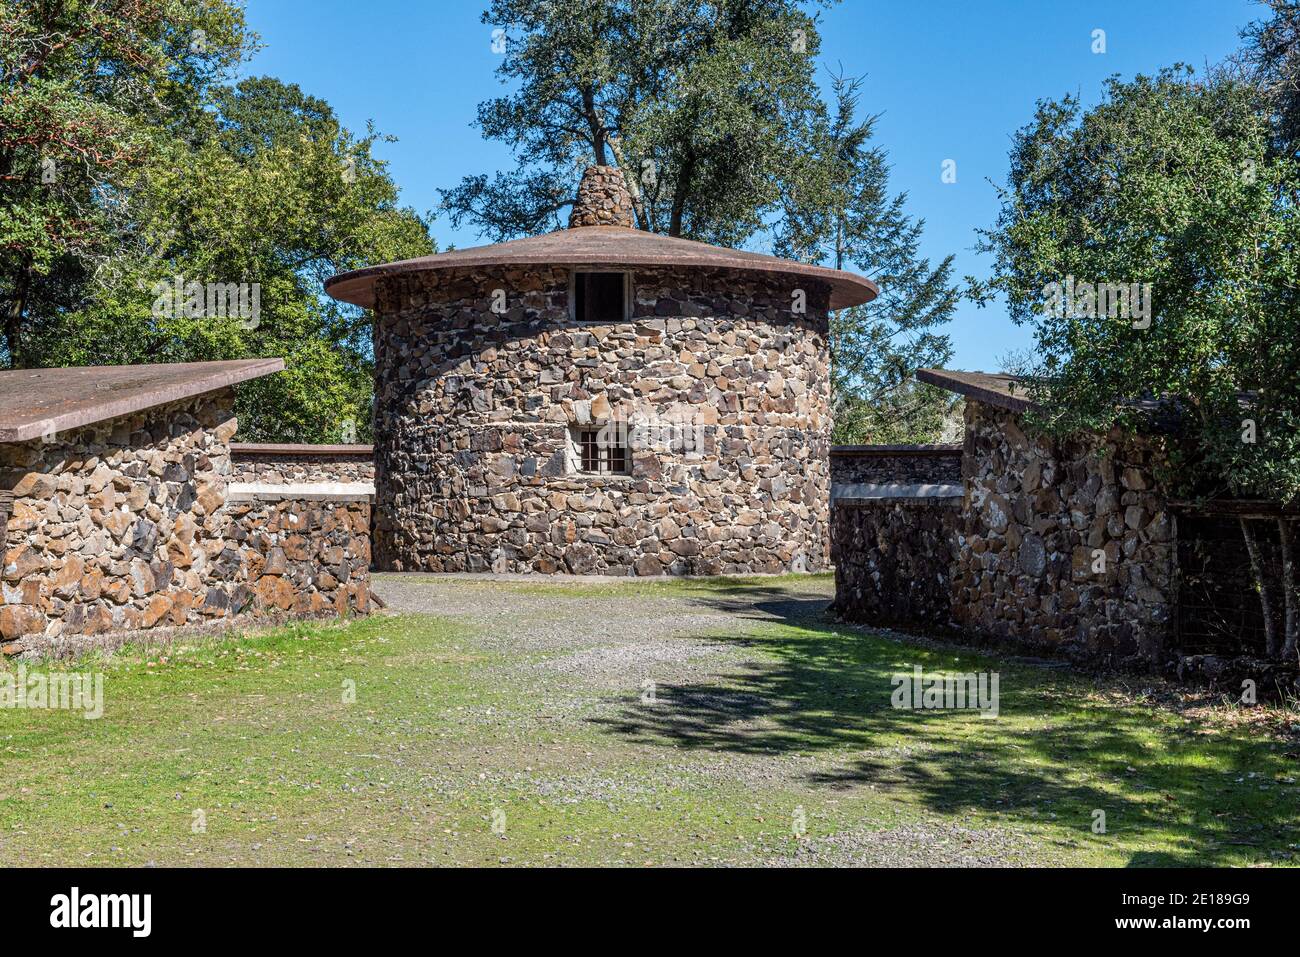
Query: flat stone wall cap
pixel 614 247
pixel 867 451
pixel 292 449
pixel 300 492
pixel 1003 391
pixel 864 490
pixel 39 402
pixel 1242 507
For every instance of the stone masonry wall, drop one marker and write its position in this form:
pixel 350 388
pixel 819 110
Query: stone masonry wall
pixel 474 465
pixel 300 465
pixel 124 525
pixel 894 560
pixel 1064 544
pixel 303 557
pixel 119 525
pixel 910 464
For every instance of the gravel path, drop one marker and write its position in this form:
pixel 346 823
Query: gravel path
pixel 580 652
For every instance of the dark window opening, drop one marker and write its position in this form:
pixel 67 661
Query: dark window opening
pixel 601 453
pixel 600 296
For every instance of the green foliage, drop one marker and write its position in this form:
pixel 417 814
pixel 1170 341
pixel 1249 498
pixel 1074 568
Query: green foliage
pixel 1271 61
pixel 1171 182
pixel 714 114
pixel 253 184
pixel 272 192
pixel 840 212
pixel 706 106
pixel 87 87
pixel 910 412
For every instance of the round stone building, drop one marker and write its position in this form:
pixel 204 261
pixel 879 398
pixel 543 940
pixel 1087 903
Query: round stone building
pixel 601 400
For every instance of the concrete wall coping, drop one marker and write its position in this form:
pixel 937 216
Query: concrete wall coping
pixel 301 491
pixel 1004 391
pixel 864 490
pixel 896 451
pixel 293 450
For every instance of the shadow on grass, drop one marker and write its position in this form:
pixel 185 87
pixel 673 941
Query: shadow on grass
pixel 1056 754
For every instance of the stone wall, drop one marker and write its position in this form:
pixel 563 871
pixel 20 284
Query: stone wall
pixel 305 557
pixel 894 559
pixel 291 464
pixel 863 464
pixel 474 462
pixel 119 525
pixel 1064 544
pixel 124 525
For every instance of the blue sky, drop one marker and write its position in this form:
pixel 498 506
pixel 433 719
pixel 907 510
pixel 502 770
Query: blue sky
pixel 953 79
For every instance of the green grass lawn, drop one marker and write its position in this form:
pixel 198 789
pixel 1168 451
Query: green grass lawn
pixel 245 751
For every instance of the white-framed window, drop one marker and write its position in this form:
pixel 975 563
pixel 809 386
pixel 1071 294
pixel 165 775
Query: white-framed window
pixel 600 450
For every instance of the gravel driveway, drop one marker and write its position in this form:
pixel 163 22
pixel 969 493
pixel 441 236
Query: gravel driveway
pixel 671 685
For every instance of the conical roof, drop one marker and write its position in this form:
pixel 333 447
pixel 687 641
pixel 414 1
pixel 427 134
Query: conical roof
pixel 603 198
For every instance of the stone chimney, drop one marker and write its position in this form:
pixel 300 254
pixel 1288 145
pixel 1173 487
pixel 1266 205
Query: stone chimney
pixel 603 199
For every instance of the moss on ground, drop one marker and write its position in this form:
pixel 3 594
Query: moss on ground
pixel 454 751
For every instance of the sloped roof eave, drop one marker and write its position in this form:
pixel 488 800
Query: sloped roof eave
pixel 611 246
pixel 38 402
pixel 1003 391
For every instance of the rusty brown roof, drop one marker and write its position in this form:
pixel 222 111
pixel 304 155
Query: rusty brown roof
pixel 614 246
pixel 37 402
pixel 1004 391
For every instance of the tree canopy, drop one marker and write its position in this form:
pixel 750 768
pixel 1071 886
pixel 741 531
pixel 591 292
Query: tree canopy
pixel 130 168
pixel 715 115
pixel 1152 242
pixel 1166 197
pixel 703 105
pixel 847 218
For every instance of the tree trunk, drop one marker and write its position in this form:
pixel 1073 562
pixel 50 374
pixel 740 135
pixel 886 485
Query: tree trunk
pixel 599 134
pixel 1266 605
pixel 13 319
pixel 1292 617
pixel 680 195
pixel 633 186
